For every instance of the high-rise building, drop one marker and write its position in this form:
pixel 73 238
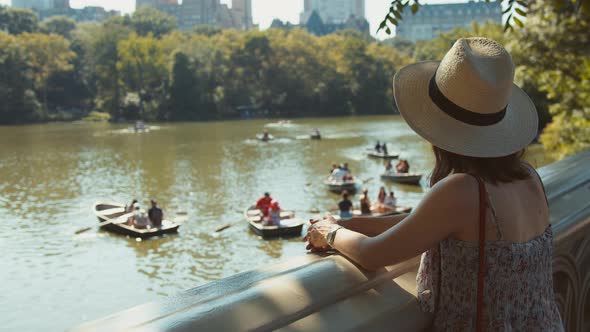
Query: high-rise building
pixel 333 11
pixel 33 4
pixel 431 20
pixel 192 13
pixel 155 3
pixel 197 12
pixel 242 12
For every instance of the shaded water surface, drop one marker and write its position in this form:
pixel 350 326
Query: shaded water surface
pixel 50 175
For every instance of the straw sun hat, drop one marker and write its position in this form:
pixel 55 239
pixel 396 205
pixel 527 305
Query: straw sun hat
pixel 467 103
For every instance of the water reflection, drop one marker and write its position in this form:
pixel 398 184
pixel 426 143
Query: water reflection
pixel 52 174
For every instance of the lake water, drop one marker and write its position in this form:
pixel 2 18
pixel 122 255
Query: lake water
pixel 50 176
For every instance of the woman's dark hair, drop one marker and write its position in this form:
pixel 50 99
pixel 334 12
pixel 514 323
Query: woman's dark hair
pixel 500 169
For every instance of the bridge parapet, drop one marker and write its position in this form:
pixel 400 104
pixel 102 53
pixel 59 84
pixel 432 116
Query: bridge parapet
pixel 313 293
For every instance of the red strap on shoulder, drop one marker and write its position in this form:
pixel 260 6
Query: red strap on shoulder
pixel 481 271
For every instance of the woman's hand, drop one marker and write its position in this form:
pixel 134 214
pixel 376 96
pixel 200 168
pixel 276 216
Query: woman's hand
pixel 316 233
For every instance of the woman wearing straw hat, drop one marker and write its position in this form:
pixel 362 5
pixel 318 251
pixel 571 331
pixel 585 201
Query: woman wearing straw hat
pixel 487 267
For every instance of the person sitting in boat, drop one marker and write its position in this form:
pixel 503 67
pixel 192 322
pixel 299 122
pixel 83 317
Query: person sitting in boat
pixel 388 166
pixel 378 146
pixel 402 166
pixel 139 219
pixel 365 203
pixel 129 208
pixel 265 135
pixel 274 214
pixel 339 174
pixel 382 195
pixel 380 205
pixel 391 200
pixel 384 148
pixel 263 203
pixel 345 205
pixel 348 174
pixel 334 167
pixel 155 214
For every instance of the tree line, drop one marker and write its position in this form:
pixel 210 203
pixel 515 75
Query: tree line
pixel 141 66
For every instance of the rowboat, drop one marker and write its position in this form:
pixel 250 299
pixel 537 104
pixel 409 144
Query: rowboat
pixel 289 226
pixel 381 155
pixel 261 137
pixel 380 211
pixel 117 214
pixel 339 186
pixel 315 136
pixel 407 178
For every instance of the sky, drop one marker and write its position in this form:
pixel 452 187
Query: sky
pixel 263 11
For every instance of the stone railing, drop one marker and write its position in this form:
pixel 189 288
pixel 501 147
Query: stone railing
pixel 313 293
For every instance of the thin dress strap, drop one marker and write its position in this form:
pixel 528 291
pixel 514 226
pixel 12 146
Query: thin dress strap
pixel 481 269
pixel 529 166
pixel 499 235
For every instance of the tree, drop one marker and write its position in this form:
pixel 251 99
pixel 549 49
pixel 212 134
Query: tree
pixel 401 45
pixel 16 21
pixel 100 46
pixel 148 20
pixel 182 100
pixel 59 25
pixel 553 53
pixel 19 103
pixel 206 30
pixel 143 67
pixel 46 55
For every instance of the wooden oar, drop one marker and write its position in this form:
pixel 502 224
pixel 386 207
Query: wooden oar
pixel 117 220
pixel 224 227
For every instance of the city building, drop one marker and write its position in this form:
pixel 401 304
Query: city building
pixel 33 4
pixel 242 13
pixel 193 13
pixel 49 8
pixel 431 20
pixel 333 11
pixel 86 14
pixel 316 26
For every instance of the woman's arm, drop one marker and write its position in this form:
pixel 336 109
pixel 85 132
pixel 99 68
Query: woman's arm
pixel 451 206
pixel 372 226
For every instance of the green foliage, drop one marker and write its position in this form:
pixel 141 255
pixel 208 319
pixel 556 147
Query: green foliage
pixel 46 55
pixel 553 53
pixel 206 30
pixel 99 44
pixel 183 89
pixel 16 21
pixel 148 20
pixel 19 103
pixel 97 117
pixel 59 25
pixel 143 70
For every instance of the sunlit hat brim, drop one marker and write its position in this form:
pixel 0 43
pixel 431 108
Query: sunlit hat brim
pixel 514 132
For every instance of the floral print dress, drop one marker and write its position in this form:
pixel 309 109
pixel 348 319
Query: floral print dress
pixel 518 285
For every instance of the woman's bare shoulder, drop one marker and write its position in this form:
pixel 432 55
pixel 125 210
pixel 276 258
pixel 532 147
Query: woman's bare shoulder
pixel 457 185
pixel 456 195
